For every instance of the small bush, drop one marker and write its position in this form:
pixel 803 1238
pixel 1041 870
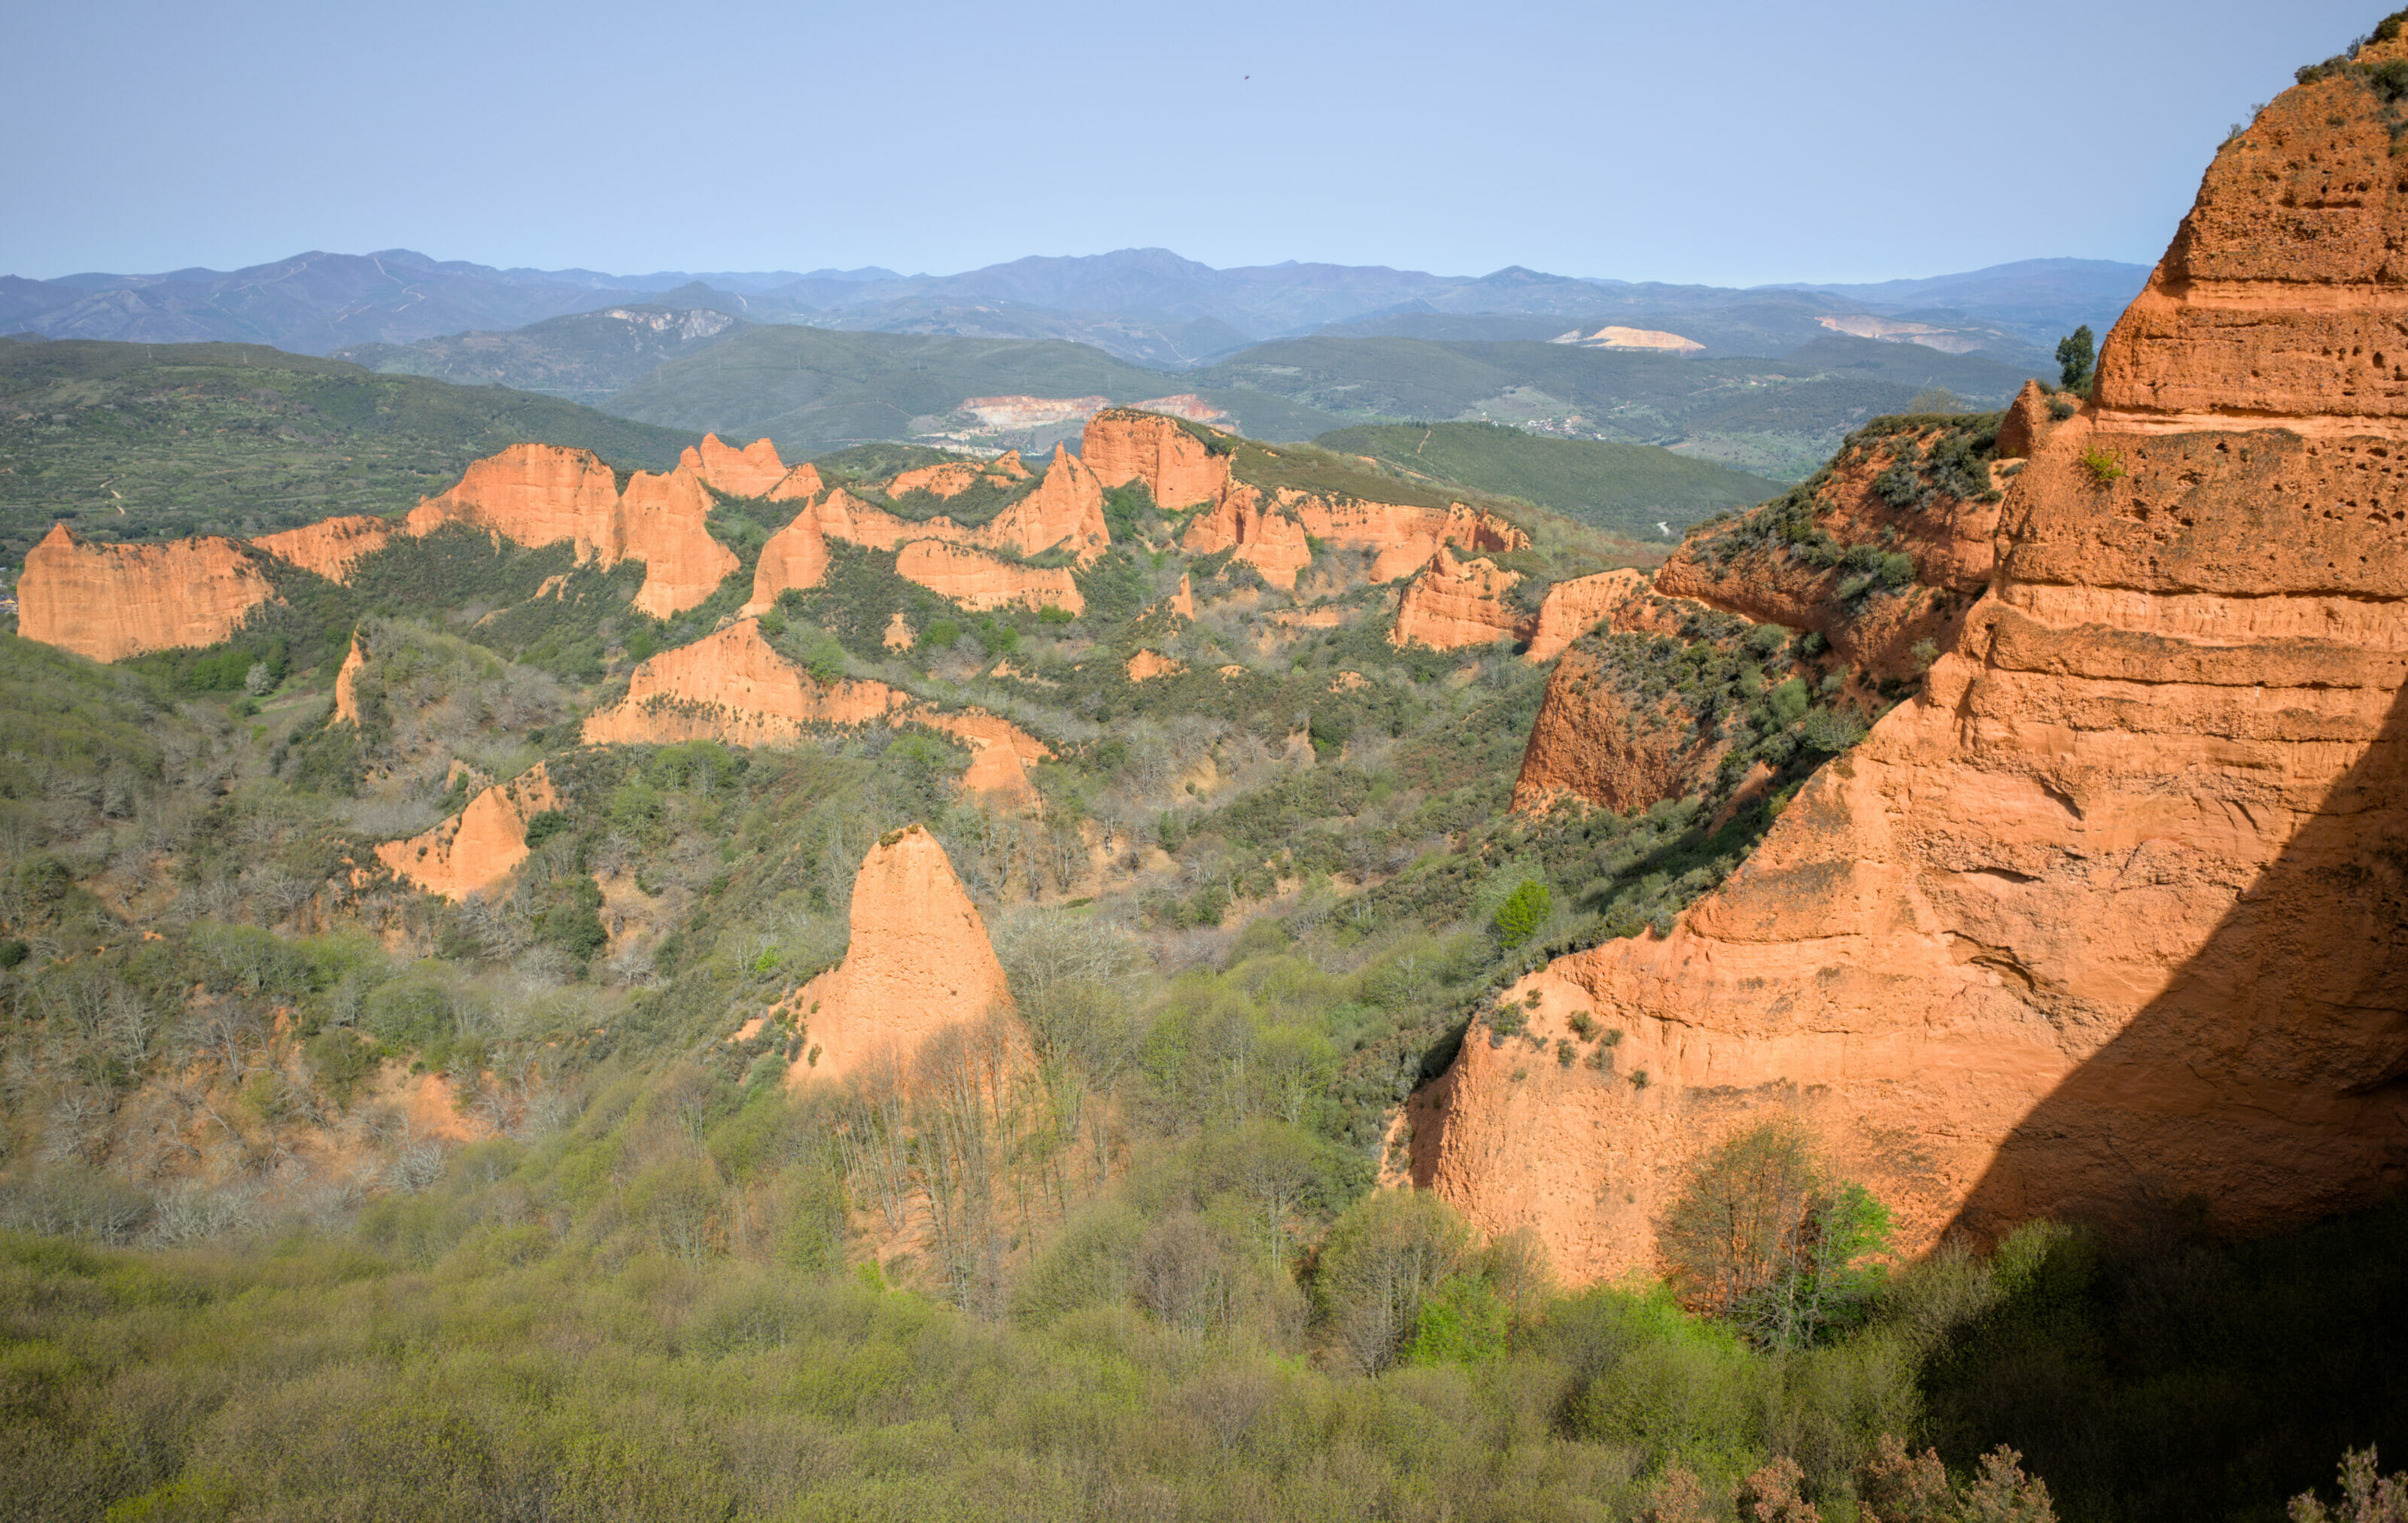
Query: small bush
pixel 2102 465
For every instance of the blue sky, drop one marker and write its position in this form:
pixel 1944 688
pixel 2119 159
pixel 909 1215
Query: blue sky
pixel 1729 144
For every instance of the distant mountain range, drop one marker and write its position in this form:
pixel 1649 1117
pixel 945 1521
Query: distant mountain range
pixel 1149 307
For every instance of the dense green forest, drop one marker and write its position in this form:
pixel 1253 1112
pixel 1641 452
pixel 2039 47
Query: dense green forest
pixel 321 1197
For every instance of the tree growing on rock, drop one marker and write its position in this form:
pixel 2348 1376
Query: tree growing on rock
pixel 2077 359
pixel 1763 1238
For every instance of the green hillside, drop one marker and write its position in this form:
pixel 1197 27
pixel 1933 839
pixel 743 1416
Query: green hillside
pixel 154 442
pixel 584 357
pixel 1777 417
pixel 813 389
pixel 1628 488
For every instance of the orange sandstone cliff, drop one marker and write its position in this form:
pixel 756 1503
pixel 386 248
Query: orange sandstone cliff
pixel 331 547
pixel 751 471
pixel 1122 445
pixel 347 694
pixel 2109 915
pixel 1454 603
pixel 732 687
pixel 919 962
pixel 475 852
pixel 1572 608
pixel 111 601
pixel 542 494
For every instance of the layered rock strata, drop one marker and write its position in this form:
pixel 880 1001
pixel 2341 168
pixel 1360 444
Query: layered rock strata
pixel 110 601
pixel 475 852
pixel 1455 603
pixel 2109 917
pixel 919 962
pixel 1880 554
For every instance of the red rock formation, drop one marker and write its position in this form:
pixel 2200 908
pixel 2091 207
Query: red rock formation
pixel 475 852
pixel 795 556
pixel 1124 445
pixel 2108 915
pixel 751 471
pixel 949 479
pixel 1572 608
pixel 919 962
pixel 542 494
pixel 1590 741
pixel 112 601
pixel 1270 533
pixel 1950 540
pixel 979 582
pixel 1066 510
pixel 1007 465
pixel 1149 663
pixel 330 547
pixel 1455 603
pixel 803 482
pixel 732 687
pixel 1182 602
pixel 898 636
pixel 663 521
pixel 347 697
pixel 2025 423
pixel 532 495
pixel 1245 522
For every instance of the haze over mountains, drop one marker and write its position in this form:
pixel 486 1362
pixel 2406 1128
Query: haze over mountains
pixel 1148 305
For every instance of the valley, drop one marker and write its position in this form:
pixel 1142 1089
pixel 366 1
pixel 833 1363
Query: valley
pixel 1103 887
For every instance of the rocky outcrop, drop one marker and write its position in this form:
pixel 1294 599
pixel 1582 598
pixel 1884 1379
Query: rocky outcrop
pixel 475 852
pixel 794 557
pixel 542 494
pixel 956 476
pixel 751 471
pixel 110 601
pixel 978 580
pixel 347 694
pixel 332 547
pixel 1124 445
pixel 1879 552
pixel 663 521
pixel 918 962
pixel 734 688
pixel 898 636
pixel 1270 531
pixel 1572 608
pixel 1246 523
pixel 1146 665
pixel 2109 916
pixel 2025 423
pixel 1455 603
pixel 1596 741
pixel 1066 512
pixel 1182 602
pixel 802 483
pixel 532 495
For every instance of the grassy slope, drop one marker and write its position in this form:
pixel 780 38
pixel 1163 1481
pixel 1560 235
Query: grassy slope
pixel 144 441
pixel 1623 487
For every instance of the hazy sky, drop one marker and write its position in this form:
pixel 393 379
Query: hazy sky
pixel 1723 143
